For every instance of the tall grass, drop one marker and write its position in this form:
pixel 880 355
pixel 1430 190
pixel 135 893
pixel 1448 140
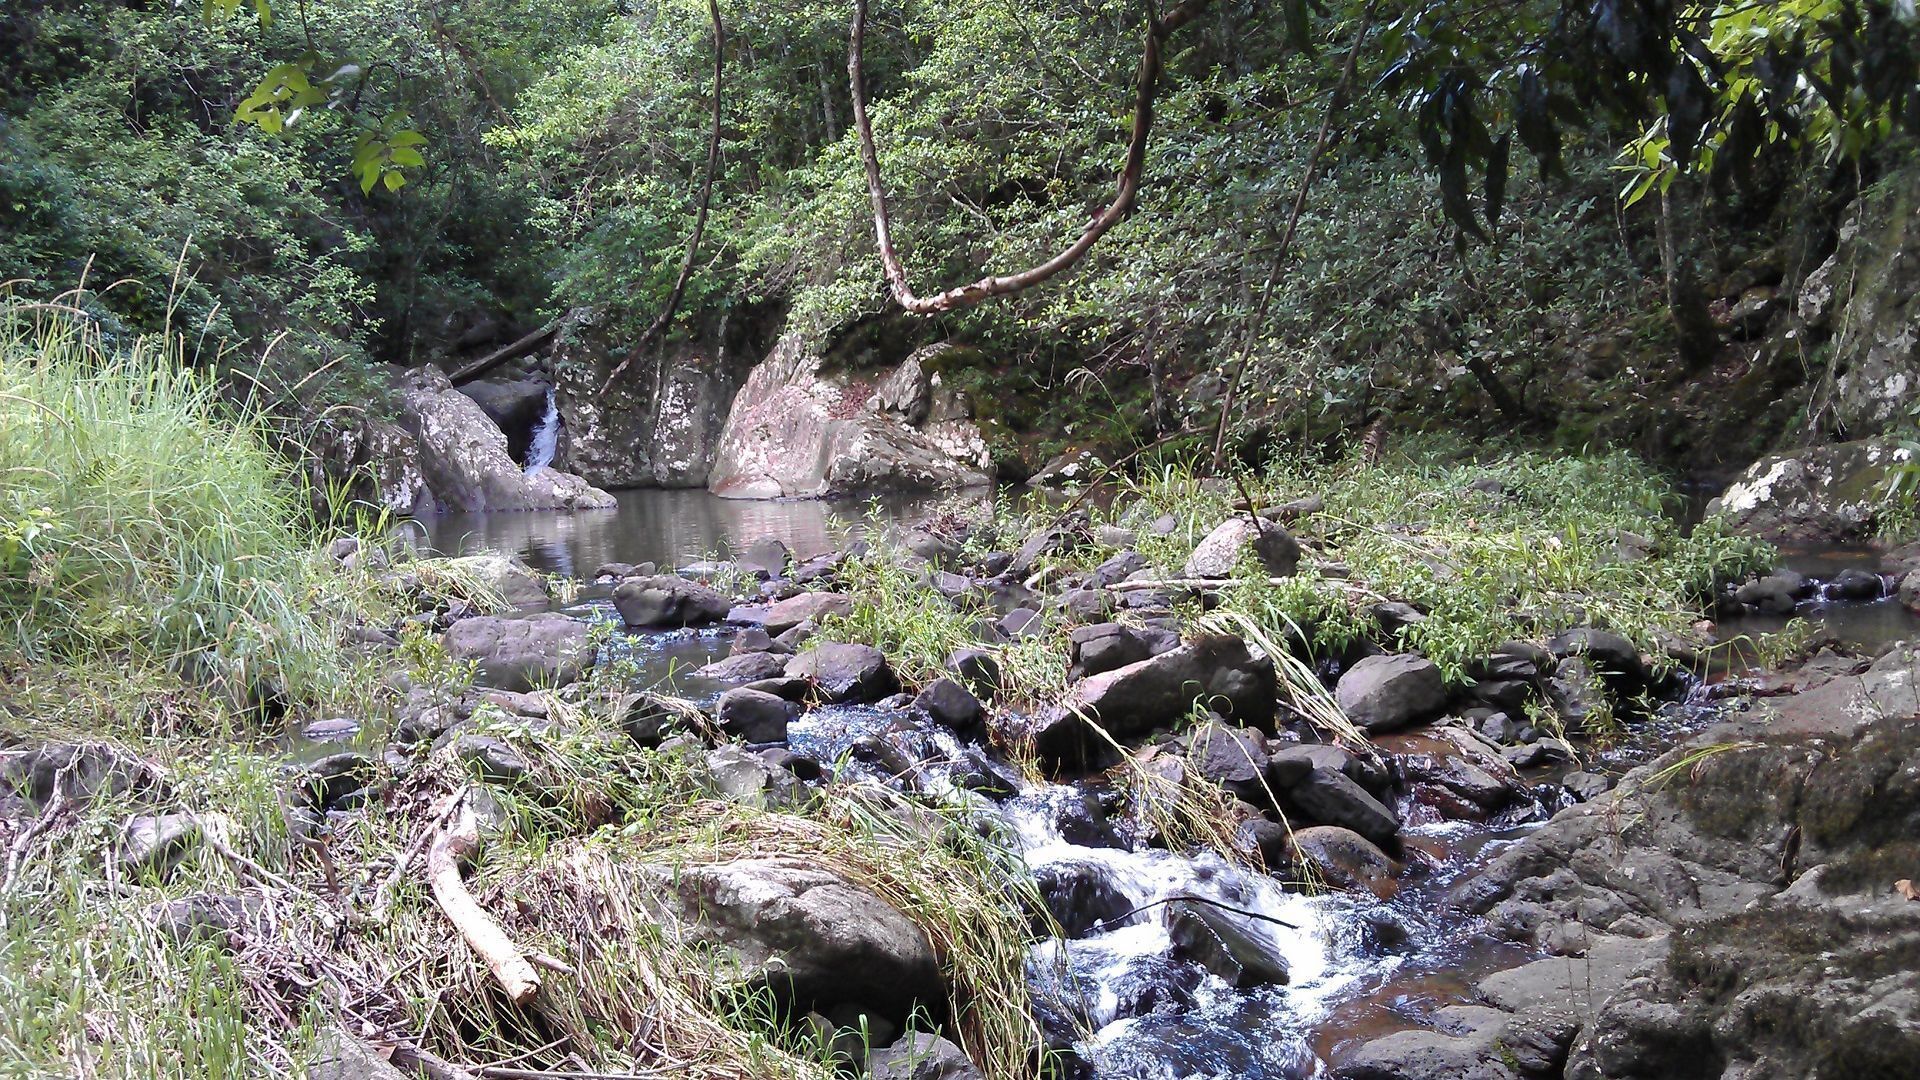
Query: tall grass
pixel 140 514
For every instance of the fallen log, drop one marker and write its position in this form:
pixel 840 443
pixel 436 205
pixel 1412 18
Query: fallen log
pixel 459 838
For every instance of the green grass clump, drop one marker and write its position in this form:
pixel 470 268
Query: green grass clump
pixel 140 513
pixel 1517 547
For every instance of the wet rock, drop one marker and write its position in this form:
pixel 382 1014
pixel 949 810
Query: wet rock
pixel 754 639
pixel 920 1056
pixel 767 556
pixel 1226 944
pixel 1775 594
pixel 810 607
pixel 1235 758
pixel 951 705
pixel 1103 647
pixel 521 654
pixel 1289 765
pixel 977 669
pixel 333 729
pixel 1272 549
pixel 1466 1042
pixel 1828 493
pixel 1087 604
pixel 1330 797
pixel 1857 585
pixel 1909 591
pixel 845 673
pixel 646 718
pixel 745 668
pixel 1346 860
pixel 617 571
pixel 1539 753
pixel 462 455
pixel 155 843
pixel 518 586
pixel 1389 692
pixel 1115 537
pixel 1079 896
pixel 1578 696
pixel 813 937
pixel 1161 689
pixel 665 600
pixel 755 716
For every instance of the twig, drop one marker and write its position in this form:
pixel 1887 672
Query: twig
pixel 383 897
pixel 1198 900
pixel 504 353
pixel 16 852
pixel 493 1072
pixel 458 838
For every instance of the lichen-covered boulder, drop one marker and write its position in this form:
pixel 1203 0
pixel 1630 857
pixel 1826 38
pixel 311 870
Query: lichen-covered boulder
pixel 1825 494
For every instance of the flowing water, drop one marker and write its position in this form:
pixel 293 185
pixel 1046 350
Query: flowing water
pixel 546 435
pixel 1358 967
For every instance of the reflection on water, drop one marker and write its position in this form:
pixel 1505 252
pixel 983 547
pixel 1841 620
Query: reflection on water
pixel 1869 627
pixel 668 527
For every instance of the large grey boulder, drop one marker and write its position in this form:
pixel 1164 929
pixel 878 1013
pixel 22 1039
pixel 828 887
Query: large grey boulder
pixel 518 587
pixel 795 430
pixel 463 455
pixel 1868 294
pixel 1385 693
pixel 812 936
pixel 520 654
pixel 668 600
pixel 1159 690
pixel 845 673
pixel 1828 493
pixel 1327 797
pixel 807 607
pixel 1272 548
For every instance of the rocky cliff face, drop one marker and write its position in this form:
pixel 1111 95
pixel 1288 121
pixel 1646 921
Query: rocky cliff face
pixel 618 435
pixel 796 430
pixel 443 452
pixel 1868 296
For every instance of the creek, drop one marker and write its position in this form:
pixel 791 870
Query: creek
pixel 1358 967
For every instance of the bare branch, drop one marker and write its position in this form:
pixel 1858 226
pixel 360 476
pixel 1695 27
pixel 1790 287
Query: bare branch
pixel 706 203
pixel 1146 86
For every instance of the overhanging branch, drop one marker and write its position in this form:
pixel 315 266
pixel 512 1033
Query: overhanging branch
pixel 1146 86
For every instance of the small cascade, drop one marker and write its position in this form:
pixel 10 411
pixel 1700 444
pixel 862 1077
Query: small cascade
pixel 546 435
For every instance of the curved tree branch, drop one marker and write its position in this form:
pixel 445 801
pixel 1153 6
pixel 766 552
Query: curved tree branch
pixel 1146 85
pixel 660 322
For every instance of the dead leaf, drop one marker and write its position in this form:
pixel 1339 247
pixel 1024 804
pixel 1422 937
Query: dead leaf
pixel 1906 888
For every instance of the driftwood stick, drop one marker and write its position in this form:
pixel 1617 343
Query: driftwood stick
pixel 458 838
pixel 383 897
pixel 512 351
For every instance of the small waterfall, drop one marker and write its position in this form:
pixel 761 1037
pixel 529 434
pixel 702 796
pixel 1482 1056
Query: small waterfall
pixel 546 435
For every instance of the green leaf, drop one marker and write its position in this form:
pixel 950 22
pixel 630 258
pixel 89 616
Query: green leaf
pixel 394 180
pixel 403 156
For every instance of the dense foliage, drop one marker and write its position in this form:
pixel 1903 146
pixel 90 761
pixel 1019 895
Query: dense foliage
pixel 364 180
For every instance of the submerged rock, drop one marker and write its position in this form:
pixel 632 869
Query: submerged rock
pixel 1346 860
pixel 521 654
